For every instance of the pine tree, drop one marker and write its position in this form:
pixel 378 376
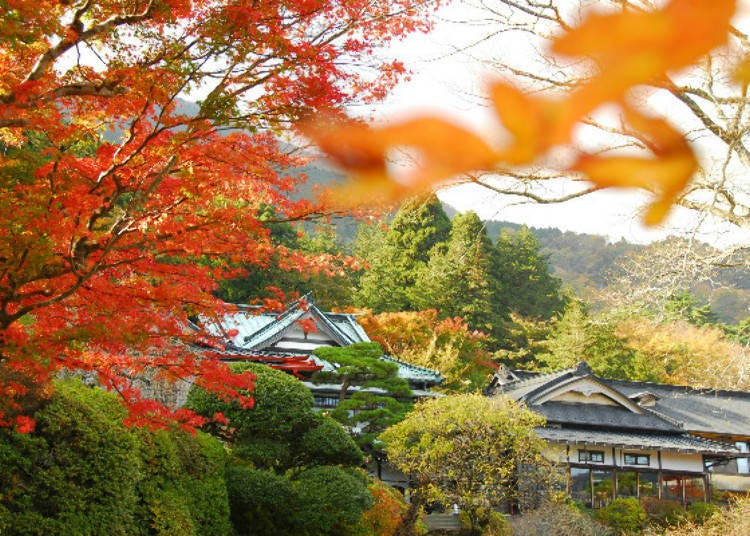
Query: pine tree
pixel 525 285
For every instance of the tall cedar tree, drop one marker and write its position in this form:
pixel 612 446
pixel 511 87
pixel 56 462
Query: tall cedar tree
pixel 111 187
pixel 418 226
pixel 525 285
pixel 456 280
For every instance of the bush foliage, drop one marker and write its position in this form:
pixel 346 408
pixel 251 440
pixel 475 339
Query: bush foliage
pixel 83 472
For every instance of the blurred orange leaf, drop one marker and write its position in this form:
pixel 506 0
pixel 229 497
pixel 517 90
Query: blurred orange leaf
pixel 629 48
pixel 442 148
pixel 666 173
pixel 632 48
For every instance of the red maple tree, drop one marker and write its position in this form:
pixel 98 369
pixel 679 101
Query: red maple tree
pixel 121 205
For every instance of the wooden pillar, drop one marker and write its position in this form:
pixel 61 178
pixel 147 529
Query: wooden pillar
pixel 658 480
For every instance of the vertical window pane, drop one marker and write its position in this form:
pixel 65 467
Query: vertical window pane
pixel 743 467
pixel 671 488
pixel 694 490
pixel 627 484
pixel 580 486
pixel 648 485
pixel 603 487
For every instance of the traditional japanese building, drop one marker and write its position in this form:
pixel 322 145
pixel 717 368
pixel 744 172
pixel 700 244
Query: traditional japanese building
pixel 287 340
pixel 618 438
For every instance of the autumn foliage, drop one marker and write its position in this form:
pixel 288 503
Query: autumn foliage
pixel 446 345
pixel 121 205
pixel 621 50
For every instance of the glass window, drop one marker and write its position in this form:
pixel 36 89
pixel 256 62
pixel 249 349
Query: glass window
pixel 593 456
pixel 671 487
pixel 648 485
pixel 694 489
pixel 743 467
pixel 323 401
pixel 637 459
pixel 580 485
pixel 603 487
pixel 627 484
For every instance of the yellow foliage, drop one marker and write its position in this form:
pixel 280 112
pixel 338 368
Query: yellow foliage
pixel 732 520
pixel 685 354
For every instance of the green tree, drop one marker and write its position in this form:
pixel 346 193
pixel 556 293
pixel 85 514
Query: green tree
pixel 685 305
pixel 523 280
pixel 261 502
pixel 384 398
pixel 472 450
pixel 268 435
pixel 418 226
pixel 75 473
pixel 277 448
pixel 456 280
pixel 334 286
pixel 576 336
pixel 360 364
pixel 257 279
pixel 333 499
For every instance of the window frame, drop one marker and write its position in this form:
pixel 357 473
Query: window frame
pixel 635 459
pixel 587 456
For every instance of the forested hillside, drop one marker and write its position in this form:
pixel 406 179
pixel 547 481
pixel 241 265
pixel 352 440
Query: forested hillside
pixel 590 263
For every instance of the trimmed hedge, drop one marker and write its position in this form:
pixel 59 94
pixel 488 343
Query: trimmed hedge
pixel 83 472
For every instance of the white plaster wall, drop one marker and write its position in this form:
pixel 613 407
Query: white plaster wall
pixel 670 461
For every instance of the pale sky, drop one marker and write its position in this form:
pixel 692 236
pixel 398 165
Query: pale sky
pixel 450 84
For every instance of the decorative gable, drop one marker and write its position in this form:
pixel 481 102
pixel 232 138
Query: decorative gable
pixel 586 390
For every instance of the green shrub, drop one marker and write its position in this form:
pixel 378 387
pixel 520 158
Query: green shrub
pixel 75 473
pixel 183 488
pixel 730 521
pixel 700 511
pixel 664 513
pixel 555 518
pixel 333 499
pixel 83 472
pixel 625 516
pixel 327 443
pixel 261 502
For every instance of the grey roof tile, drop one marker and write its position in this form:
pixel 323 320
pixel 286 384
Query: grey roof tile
pixel 643 440
pixel 604 416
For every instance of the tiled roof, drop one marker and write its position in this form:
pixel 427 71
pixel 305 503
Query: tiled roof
pixel 347 324
pixel 642 440
pixel 522 388
pixel 720 412
pixel 257 329
pixel 596 415
pixel 716 412
pixel 409 371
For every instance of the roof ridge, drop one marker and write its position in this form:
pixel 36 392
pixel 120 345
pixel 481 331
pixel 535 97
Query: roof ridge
pixel 388 357
pixel 674 387
pixel 538 375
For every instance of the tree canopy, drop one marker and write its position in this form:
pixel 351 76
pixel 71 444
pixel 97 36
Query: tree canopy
pixel 292 470
pixel 469 449
pixel 591 72
pixel 113 186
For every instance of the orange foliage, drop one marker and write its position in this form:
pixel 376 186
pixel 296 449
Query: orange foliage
pixel 121 205
pixel 628 48
pixel 684 354
pixel 447 345
pixel 385 515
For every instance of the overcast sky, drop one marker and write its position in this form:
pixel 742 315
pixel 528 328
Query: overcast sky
pixel 450 84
